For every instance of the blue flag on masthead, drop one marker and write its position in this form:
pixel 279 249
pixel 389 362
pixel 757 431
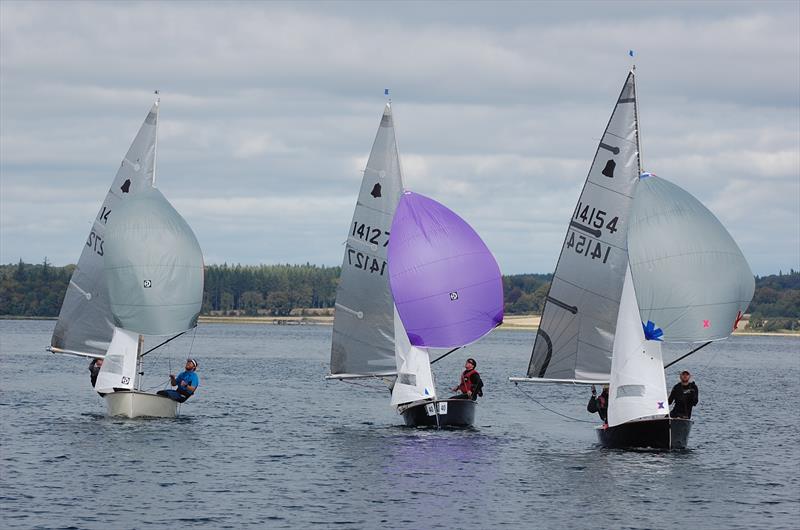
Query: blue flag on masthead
pixel 385 91
pixel 630 52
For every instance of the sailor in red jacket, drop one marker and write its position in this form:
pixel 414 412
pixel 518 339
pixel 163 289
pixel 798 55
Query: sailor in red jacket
pixel 470 385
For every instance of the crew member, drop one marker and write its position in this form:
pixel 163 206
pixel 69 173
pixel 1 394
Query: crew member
pixel 684 395
pixel 186 383
pixel 599 404
pixel 94 369
pixel 470 385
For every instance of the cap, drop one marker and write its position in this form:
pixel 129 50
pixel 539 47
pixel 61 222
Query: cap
pixel 193 361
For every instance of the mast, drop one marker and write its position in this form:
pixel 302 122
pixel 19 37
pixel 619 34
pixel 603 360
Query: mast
pixel 139 362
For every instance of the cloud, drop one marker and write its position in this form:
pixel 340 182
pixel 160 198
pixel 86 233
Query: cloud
pixel 269 111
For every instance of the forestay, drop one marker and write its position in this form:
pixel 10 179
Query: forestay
pixel 85 323
pixel 576 333
pixel 363 328
pixel 692 281
pixel 153 267
pixel 638 387
pixel 414 378
pixel 446 284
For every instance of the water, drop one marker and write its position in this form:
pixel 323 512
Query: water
pixel 268 442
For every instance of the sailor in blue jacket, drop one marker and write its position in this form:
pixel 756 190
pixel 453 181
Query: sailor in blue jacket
pixel 186 383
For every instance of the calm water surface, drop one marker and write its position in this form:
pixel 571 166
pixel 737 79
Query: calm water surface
pixel 268 442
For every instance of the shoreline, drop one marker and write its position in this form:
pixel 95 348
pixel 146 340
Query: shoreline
pixel 510 323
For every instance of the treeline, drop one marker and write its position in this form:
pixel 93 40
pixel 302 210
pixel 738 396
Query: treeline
pixel 38 290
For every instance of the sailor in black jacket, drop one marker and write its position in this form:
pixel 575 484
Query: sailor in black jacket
pixel 684 395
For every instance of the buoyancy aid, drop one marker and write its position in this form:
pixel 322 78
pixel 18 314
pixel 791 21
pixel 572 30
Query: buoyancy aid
pixel 466 380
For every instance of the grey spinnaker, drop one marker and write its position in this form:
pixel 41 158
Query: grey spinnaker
pixel 576 333
pixel 85 323
pixel 153 267
pixel 691 279
pixel 363 328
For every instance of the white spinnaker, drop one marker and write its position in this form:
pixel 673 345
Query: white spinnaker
pixel 414 378
pixel 119 366
pixel 638 388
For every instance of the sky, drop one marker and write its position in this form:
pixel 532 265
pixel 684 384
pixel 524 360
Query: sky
pixel 269 110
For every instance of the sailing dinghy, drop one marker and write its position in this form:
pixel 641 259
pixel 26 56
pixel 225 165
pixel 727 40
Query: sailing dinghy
pixel 369 334
pixel 140 273
pixel 642 262
pixel 448 292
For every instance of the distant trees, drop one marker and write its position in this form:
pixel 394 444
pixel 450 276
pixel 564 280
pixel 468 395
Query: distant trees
pixel 38 290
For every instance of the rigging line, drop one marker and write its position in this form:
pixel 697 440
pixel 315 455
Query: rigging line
pixel 166 341
pixel 157 386
pixel 687 354
pixel 446 354
pixel 549 409
pixel 191 346
pixel 357 383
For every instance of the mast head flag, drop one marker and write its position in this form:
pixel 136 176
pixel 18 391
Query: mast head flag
pixel 446 284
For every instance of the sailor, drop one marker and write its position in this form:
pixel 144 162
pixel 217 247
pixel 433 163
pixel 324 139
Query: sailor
pixel 187 382
pixel 599 404
pixel 470 385
pixel 684 395
pixel 94 369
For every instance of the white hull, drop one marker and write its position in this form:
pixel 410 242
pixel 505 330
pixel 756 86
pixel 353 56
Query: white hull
pixel 140 404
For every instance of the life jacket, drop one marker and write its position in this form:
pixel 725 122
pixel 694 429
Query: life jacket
pixel 466 382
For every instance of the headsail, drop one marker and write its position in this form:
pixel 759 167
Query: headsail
pixel 445 282
pixel 153 266
pixel 576 333
pixel 692 281
pixel 363 328
pixel 638 387
pixel 414 378
pixel 119 366
pixel 85 323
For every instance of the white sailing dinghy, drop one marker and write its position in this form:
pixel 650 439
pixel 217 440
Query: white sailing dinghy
pixel 369 336
pixel 140 273
pixel 642 262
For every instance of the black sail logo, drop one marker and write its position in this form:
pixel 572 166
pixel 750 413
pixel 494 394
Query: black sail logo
pixel 376 190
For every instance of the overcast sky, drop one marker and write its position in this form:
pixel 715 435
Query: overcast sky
pixel 268 112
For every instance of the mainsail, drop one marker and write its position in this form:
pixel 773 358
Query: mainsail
pixel 85 323
pixel 692 281
pixel 446 284
pixel 153 267
pixel 576 333
pixel 363 328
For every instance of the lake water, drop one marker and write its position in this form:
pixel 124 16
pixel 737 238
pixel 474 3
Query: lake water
pixel 268 442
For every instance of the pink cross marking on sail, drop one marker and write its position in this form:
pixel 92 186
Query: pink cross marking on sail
pixel 706 323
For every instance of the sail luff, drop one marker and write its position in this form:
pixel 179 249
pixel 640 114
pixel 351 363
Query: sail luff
pixel 575 337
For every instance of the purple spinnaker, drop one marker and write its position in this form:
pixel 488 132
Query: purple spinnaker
pixel 446 284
